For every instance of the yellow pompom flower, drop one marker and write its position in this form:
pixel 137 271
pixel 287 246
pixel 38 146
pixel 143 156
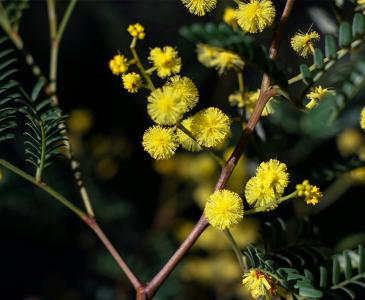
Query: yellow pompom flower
pixel 137 31
pixel 254 16
pixel 259 284
pixel 206 54
pixel 132 82
pixel 264 189
pixel 223 209
pixel 311 193
pixel 200 7
pixel 303 43
pixel 165 106
pixel 229 17
pixel 362 120
pixel 166 61
pixel 226 60
pixel 186 141
pixel 160 142
pixel 211 127
pixel 316 94
pixel 118 64
pixel 186 88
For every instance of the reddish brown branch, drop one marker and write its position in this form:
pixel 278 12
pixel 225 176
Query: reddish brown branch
pixel 266 92
pixel 122 264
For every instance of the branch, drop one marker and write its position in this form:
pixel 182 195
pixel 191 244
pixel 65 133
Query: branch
pixel 266 93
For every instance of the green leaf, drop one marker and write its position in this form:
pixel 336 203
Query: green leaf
pixel 348 292
pixel 335 271
pixel 323 273
pixel 330 46
pixel 307 76
pixel 310 292
pixel 37 89
pixel 358 25
pixel 348 265
pixel 318 58
pixel 345 36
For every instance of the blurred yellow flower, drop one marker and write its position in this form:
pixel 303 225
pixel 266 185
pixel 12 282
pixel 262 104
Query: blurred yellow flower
pixel 362 120
pixel 350 141
pixel 165 60
pixel 303 43
pixel 316 94
pixel 358 175
pixel 254 16
pixel 200 7
pixel 226 60
pixel 107 168
pixel 229 17
pixel 80 121
pixel 186 141
pixel 248 101
pixel 206 54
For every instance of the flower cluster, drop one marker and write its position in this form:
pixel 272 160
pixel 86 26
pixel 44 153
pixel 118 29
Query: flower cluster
pixel 166 61
pixel 218 58
pixel 119 64
pixel 316 94
pixel 136 31
pixel 248 100
pixel 268 185
pixel 224 208
pixel 259 284
pixel 311 193
pixel 303 43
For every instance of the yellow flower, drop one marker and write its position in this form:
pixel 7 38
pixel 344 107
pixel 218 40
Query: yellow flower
pixel 361 2
pixel 226 60
pixel 80 121
pixel 350 141
pixel 362 120
pixel 358 175
pixel 317 93
pixel 165 106
pixel 166 61
pixel 160 142
pixel 224 208
pixel 187 89
pixel 311 193
pixel 200 7
pixel 256 15
pixel 132 82
pixel 137 31
pixel 187 142
pixel 248 101
pixel 302 43
pixel 119 64
pixel 259 284
pixel 264 189
pixel 229 17
pixel 206 54
pixel 211 127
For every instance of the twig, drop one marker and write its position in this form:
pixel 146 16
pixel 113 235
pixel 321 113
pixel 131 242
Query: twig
pixel 265 94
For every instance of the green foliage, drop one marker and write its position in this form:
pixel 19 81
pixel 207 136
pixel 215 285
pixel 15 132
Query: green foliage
pixel 223 36
pixel 350 36
pixel 43 128
pixel 14 10
pixel 7 94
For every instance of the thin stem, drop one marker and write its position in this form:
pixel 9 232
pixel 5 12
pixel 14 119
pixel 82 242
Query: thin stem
pixel 121 263
pixel 43 187
pixel 267 207
pixel 166 270
pixel 218 159
pixel 236 250
pixel 65 19
pixel 145 75
pixel 241 84
pixel 39 172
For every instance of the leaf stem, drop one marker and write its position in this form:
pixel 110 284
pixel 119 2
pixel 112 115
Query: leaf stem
pixel 145 75
pixel 236 250
pixel 49 190
pixel 39 172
